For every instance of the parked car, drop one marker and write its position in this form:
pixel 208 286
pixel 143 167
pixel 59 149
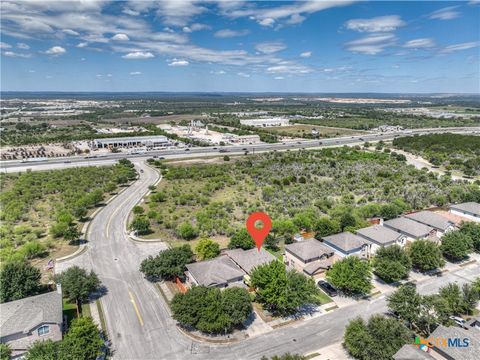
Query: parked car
pixel 187 149
pixel 328 288
pixel 223 150
pixel 458 320
pixel 244 149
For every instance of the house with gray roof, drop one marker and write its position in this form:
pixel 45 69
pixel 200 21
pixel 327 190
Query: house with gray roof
pixel 468 210
pixel 347 243
pixel 412 352
pixel 311 257
pixel 413 230
pixel 441 224
pixel 460 344
pixel 247 260
pixel 35 318
pixel 219 272
pixel 380 236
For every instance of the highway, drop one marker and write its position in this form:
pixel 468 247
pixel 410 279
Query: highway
pixel 195 152
pixel 137 317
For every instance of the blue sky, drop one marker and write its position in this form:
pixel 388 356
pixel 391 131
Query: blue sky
pixel 283 46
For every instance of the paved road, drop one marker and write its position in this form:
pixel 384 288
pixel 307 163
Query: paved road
pixel 107 159
pixel 138 320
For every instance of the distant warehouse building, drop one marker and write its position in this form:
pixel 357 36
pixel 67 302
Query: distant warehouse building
pixel 266 122
pixel 148 141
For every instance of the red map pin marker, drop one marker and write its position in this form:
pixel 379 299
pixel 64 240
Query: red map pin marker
pixel 258 235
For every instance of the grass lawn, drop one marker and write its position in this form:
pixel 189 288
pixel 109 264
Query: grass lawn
pixel 324 298
pixel 70 310
pixel 299 130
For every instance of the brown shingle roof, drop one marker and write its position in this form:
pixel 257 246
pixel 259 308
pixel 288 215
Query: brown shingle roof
pixel 308 250
pixel 215 272
pixel 409 227
pixel 346 241
pixel 431 219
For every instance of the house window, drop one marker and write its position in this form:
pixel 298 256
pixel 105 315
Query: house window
pixel 43 330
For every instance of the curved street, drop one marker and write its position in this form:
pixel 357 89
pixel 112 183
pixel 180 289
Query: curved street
pixel 138 319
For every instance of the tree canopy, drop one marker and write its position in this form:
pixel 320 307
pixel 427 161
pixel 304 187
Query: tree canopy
pixel 425 255
pixel 456 245
pixel 168 264
pixel 241 239
pixel 391 263
pixel 283 291
pixel 212 310
pixel 351 275
pixel 18 280
pixel 207 249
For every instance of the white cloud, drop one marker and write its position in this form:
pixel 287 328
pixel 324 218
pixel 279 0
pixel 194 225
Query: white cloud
pixel 242 74
pixel 56 51
pixel 15 54
pixel 130 12
pixel 176 62
pixel 82 45
pixel 219 72
pixel 419 43
pixel 228 33
pixel 270 47
pixel 266 22
pixel 371 44
pixel 377 24
pixel 109 75
pixel 70 32
pixel 5 45
pixel 306 54
pixel 289 69
pixel 460 47
pixel 178 13
pixel 138 55
pixel 133 73
pixel 31 71
pixel 23 46
pixel 120 37
pixel 446 13
pixel 279 78
pixel 195 27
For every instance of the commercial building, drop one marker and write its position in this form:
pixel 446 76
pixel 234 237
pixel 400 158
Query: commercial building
pixel 35 318
pixel 309 256
pixel 346 243
pixel 469 210
pixel 380 236
pixel 135 141
pixel 266 122
pixel 429 218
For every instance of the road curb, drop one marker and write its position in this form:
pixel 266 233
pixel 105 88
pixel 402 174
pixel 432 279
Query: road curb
pixel 207 340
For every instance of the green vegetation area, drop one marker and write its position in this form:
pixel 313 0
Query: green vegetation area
pixel 454 152
pixel 305 131
pixel 43 211
pixel 369 119
pixel 323 191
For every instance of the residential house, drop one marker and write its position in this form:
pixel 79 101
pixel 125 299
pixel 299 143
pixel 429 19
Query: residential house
pixel 247 260
pixel 309 256
pixel 469 210
pixel 35 318
pixel 380 236
pixel 450 343
pixel 436 221
pixel 347 243
pixel 219 272
pixel 413 230
pixel 412 352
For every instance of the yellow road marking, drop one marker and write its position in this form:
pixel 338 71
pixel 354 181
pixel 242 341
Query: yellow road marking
pixel 136 308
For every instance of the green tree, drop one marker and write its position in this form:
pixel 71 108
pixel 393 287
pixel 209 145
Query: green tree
pixel 207 249
pixel 351 275
pixel 326 227
pixel 5 352
pixel 187 231
pixel 456 245
pixel 226 158
pixel 452 294
pixel 425 255
pixel 283 291
pixel 82 341
pixel 378 339
pixel 390 211
pixel 77 285
pixel 472 230
pixel 141 225
pixel 168 264
pixel 406 303
pixel 391 263
pixel 283 228
pixel 211 310
pixel 138 210
pixel 241 239
pixel 43 350
pixel 18 280
pixel 72 233
pixel 286 356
